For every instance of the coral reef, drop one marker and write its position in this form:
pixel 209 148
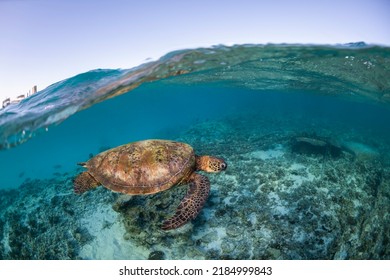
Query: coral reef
pixel 273 202
pixel 43 220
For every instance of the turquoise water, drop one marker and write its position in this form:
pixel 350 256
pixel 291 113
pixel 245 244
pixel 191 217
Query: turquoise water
pixel 248 104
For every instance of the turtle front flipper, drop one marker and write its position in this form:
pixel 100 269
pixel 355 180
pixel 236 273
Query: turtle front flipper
pixel 84 182
pixel 191 204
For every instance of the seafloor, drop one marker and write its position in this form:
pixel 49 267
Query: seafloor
pixel 276 200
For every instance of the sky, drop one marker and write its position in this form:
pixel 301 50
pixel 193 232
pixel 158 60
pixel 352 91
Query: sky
pixel 45 41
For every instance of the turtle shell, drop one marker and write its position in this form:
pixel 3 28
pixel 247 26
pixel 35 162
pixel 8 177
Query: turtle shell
pixel 143 167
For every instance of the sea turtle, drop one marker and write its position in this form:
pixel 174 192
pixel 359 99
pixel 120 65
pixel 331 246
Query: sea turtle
pixel 152 166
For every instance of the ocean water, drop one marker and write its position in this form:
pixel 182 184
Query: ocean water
pixel 304 130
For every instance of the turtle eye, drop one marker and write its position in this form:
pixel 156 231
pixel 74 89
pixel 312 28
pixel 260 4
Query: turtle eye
pixel 223 165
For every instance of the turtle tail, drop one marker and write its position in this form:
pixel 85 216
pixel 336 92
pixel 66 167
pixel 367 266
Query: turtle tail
pixel 191 204
pixel 84 182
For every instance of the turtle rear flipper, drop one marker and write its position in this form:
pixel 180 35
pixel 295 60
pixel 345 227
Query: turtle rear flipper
pixel 191 204
pixel 84 182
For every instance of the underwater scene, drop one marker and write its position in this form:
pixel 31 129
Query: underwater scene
pixel 301 134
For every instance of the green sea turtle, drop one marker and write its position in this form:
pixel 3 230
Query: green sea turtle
pixel 152 166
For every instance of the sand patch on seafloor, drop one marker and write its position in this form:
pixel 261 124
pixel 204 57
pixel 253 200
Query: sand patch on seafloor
pixel 276 152
pixel 108 242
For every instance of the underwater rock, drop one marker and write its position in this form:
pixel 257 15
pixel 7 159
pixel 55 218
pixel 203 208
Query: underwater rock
pixel 315 146
pixel 234 230
pixel 361 151
pixel 156 255
pixel 275 254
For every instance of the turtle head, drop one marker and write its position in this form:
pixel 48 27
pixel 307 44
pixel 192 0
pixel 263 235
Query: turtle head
pixel 210 164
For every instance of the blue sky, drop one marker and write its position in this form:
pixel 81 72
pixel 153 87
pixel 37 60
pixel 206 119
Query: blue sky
pixel 45 41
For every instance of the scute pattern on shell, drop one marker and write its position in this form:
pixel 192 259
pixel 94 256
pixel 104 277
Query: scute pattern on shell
pixel 143 167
